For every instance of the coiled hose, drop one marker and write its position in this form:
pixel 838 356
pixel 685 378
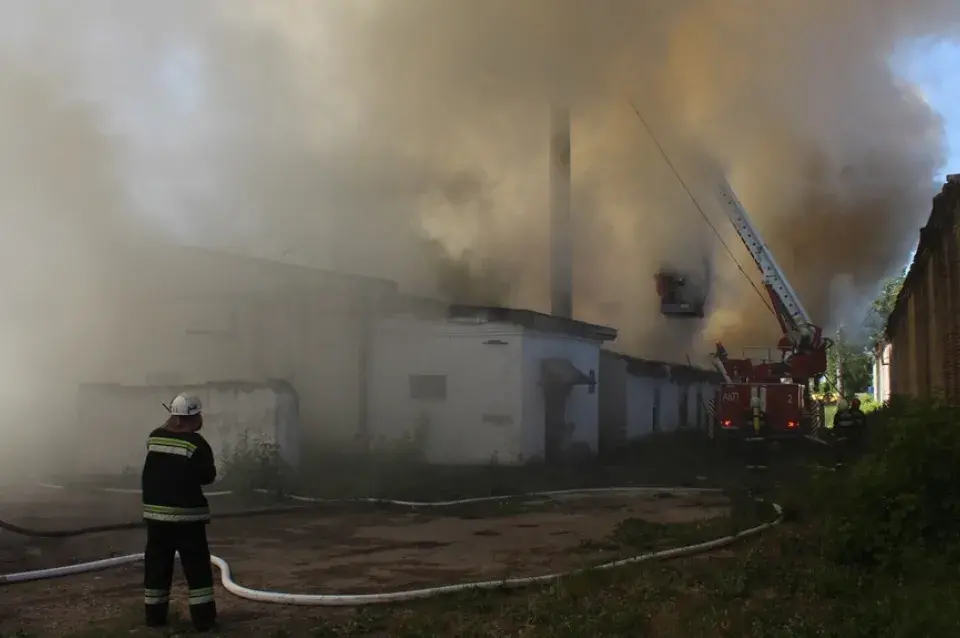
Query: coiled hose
pixel 348 600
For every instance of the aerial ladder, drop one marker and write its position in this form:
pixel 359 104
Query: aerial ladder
pixel 803 347
pixel 775 388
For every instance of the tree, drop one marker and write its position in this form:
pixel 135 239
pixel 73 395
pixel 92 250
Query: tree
pixel 881 308
pixel 850 361
pixel 849 365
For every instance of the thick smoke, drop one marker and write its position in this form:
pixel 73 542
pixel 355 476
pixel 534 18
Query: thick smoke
pixel 385 113
pixel 409 139
pixel 62 211
pixel 793 101
pixel 343 135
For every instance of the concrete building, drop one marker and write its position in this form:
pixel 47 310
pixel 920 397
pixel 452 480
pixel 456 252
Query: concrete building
pixel 640 398
pixel 923 331
pixel 881 372
pixel 481 384
pixel 238 418
pixel 250 336
pixel 298 356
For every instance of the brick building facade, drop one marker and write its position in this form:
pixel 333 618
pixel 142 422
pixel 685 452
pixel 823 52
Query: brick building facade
pixel 923 331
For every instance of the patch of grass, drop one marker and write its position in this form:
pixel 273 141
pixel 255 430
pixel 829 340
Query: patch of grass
pixel 829 411
pixel 867 403
pixel 874 553
pixel 777 587
pixel 637 535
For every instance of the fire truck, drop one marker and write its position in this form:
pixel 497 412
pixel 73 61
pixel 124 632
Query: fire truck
pixel 766 392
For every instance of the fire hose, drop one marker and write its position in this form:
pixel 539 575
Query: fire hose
pixel 352 600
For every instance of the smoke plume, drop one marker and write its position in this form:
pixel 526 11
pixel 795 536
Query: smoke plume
pixel 409 140
pixel 794 102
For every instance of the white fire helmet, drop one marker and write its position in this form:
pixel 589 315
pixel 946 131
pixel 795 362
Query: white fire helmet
pixel 842 404
pixel 185 405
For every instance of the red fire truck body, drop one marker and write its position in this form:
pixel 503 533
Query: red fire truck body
pixel 781 410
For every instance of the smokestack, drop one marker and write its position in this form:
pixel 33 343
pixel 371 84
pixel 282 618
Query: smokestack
pixel 561 262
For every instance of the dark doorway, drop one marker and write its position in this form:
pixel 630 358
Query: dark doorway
pixel 656 409
pixel 555 422
pixel 558 377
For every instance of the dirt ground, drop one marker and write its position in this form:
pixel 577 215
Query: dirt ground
pixel 344 550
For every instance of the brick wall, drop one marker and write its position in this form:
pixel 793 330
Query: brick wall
pixel 924 328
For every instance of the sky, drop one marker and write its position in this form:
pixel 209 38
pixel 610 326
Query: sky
pixel 933 65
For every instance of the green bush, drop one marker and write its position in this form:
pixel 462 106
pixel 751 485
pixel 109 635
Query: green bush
pixel 868 404
pixel 899 505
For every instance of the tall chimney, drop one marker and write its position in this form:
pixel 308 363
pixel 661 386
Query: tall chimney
pixel 561 257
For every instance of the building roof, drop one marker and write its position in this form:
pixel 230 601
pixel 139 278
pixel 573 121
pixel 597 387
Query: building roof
pixel 533 320
pixel 943 215
pixel 433 308
pixel 663 370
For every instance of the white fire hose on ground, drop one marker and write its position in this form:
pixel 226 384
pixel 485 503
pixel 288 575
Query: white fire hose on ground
pixel 353 600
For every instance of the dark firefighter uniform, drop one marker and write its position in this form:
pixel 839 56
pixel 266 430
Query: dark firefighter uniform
pixel 846 430
pixel 843 422
pixel 859 419
pixel 179 462
pixel 755 443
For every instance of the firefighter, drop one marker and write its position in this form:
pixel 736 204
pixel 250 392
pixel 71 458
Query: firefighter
pixel 843 431
pixel 756 446
pixel 843 419
pixel 179 462
pixel 859 418
pixel 858 427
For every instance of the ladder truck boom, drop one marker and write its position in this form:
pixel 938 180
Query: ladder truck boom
pixel 789 309
pixel 808 358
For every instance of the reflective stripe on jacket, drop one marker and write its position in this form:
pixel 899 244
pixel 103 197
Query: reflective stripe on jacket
pixel 166 514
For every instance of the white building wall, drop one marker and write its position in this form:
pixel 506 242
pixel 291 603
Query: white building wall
pixel 115 420
pixel 876 378
pixel 184 317
pixel 881 374
pixel 657 398
pixel 583 408
pixel 312 342
pixel 885 372
pixel 480 419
